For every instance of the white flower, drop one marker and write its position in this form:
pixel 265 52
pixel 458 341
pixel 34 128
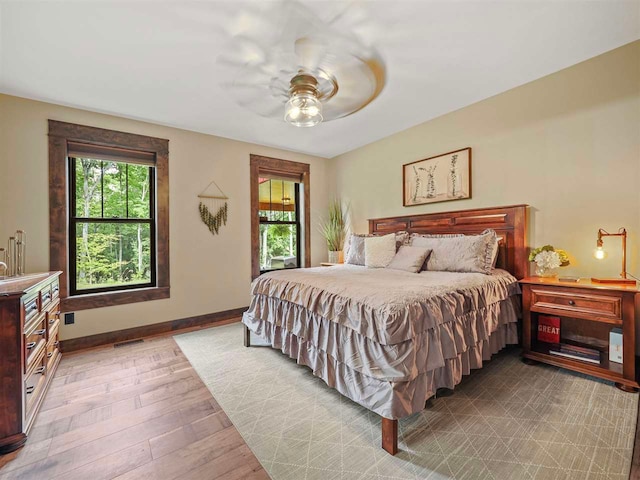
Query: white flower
pixel 547 260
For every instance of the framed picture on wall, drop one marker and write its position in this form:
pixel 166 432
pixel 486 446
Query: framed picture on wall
pixel 437 179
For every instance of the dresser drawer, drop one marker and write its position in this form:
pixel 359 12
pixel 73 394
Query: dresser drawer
pixel 30 308
pixel 35 339
pixel 46 297
pixel 34 382
pixel 575 303
pixel 55 289
pixel 53 350
pixel 53 316
pixel 53 343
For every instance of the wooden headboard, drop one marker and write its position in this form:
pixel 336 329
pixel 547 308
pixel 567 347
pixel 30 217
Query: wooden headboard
pixel 510 223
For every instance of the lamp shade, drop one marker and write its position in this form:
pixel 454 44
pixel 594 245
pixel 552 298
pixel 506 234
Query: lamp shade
pixel 303 109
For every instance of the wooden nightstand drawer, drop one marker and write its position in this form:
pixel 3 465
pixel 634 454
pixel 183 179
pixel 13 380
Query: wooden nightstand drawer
pixel 576 304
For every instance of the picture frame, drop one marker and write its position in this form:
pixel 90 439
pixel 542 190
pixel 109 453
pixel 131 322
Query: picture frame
pixel 442 178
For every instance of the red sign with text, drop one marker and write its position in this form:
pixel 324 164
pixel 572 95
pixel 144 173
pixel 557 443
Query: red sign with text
pixel 548 329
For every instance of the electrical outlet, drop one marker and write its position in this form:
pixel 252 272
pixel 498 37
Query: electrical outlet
pixel 69 318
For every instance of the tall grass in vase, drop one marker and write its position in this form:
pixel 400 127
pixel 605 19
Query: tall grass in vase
pixel 334 230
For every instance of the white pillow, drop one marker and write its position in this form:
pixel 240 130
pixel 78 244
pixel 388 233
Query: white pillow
pixel 379 251
pixel 467 253
pixel 355 250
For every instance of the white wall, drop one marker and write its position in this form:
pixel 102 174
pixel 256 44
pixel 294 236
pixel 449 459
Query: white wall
pixel 208 273
pixel 567 144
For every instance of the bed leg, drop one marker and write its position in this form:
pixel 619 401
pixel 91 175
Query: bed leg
pixel 247 336
pixel 390 435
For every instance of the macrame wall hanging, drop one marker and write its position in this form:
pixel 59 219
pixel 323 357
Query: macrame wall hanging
pixel 213 207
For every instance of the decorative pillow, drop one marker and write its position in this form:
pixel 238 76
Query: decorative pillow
pixel 355 250
pixel 379 251
pixel 402 238
pixel 409 259
pixel 494 253
pixel 466 253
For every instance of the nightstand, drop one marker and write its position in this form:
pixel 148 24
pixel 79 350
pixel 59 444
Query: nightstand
pixel 329 264
pixel 587 312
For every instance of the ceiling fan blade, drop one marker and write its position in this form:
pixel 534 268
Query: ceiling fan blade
pixel 310 53
pixel 294 21
pixel 275 111
pixel 245 85
pixel 274 41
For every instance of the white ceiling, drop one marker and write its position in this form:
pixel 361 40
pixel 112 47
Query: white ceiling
pixel 156 61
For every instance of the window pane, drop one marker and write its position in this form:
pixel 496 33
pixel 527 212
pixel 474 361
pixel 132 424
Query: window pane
pixel 115 189
pixel 277 199
pixel 139 191
pixel 88 193
pixel 278 247
pixel 112 254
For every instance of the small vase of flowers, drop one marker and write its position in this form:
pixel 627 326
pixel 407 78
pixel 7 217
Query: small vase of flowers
pixel 548 260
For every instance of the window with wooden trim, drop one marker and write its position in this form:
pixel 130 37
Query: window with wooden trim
pixel 280 214
pixel 109 204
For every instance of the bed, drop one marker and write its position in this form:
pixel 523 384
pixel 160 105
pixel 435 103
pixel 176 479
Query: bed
pixel 387 339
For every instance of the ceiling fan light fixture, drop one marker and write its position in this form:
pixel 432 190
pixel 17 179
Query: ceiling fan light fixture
pixel 303 109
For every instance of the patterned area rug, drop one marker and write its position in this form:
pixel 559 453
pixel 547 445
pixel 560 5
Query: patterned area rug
pixel 506 421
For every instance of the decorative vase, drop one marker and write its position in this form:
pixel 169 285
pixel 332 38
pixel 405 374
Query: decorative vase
pixel 336 256
pixel 546 272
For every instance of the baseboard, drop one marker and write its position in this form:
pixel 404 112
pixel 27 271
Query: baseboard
pixel 81 343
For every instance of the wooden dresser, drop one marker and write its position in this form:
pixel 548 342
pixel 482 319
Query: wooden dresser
pixel 29 353
pixel 587 312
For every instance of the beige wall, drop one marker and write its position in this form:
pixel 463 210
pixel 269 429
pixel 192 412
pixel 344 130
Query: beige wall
pixel 567 144
pixel 208 273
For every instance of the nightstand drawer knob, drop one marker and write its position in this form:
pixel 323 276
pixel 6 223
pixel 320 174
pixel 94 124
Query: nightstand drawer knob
pixel 571 302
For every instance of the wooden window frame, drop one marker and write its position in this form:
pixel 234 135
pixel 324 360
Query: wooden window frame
pixel 61 134
pixel 296 171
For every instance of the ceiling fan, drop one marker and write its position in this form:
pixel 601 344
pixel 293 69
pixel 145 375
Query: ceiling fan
pixel 286 62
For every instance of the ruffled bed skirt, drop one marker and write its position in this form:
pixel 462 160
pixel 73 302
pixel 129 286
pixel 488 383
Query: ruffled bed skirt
pixel 392 380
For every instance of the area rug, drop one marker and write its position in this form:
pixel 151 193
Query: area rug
pixel 506 421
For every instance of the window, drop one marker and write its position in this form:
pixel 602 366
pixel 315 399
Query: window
pixel 279 224
pixel 109 215
pixel 280 220
pixel 111 226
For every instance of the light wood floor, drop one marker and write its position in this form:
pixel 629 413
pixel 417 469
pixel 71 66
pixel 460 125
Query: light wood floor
pixel 134 412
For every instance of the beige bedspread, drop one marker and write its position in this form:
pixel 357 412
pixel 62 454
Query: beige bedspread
pixel 387 339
